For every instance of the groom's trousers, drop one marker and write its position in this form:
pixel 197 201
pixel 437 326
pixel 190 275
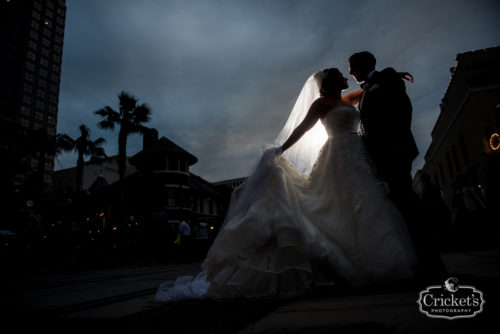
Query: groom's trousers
pixel 417 220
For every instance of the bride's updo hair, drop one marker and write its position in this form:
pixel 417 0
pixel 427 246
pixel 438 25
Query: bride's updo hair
pixel 330 81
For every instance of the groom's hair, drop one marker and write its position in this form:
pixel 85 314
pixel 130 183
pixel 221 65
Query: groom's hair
pixel 364 58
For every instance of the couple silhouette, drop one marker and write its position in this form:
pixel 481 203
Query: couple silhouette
pixel 339 210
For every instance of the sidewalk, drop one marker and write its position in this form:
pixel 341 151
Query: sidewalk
pixel 392 311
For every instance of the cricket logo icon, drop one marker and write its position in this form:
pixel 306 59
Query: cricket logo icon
pixel 451 300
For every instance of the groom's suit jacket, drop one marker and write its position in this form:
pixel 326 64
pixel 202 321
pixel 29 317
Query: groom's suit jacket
pixel 386 112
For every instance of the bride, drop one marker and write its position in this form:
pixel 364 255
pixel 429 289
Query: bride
pixel 311 214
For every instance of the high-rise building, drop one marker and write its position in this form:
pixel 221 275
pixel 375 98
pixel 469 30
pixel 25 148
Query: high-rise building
pixel 31 44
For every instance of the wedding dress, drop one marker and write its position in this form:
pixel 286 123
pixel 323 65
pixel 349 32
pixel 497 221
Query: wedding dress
pixel 289 231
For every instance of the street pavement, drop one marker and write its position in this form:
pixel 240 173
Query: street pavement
pixel 121 299
pixel 105 293
pixel 392 309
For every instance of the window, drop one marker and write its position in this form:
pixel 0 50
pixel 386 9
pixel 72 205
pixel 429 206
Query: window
pixel 25 110
pixel 27 99
pixel 455 158
pixel 28 88
pixel 24 122
pixel 210 206
pixel 182 165
pixel 173 164
pixel 448 161
pixel 30 66
pixel 463 148
pixel 171 197
pixel 442 174
pixel 32 45
pixel 31 55
pixel 39 116
pixel 36 15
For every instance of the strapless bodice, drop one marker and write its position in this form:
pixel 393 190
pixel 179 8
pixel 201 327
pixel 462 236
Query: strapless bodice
pixel 341 119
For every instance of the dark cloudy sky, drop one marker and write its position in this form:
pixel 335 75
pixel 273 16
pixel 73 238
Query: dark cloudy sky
pixel 222 76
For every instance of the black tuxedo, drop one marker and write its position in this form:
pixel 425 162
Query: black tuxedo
pixel 386 112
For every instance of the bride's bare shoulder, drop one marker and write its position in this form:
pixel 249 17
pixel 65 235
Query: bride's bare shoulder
pixel 323 105
pixel 325 102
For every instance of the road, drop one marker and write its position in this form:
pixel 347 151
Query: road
pixel 109 293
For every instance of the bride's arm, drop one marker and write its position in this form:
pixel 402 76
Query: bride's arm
pixel 353 98
pixel 309 121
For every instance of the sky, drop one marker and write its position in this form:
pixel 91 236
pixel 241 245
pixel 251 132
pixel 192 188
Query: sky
pixel 222 76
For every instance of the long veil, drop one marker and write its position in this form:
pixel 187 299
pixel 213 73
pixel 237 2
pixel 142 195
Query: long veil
pixel 304 153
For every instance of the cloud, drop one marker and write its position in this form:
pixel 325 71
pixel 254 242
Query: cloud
pixel 222 76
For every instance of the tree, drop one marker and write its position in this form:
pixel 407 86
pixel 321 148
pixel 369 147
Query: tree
pixel 84 146
pixel 130 119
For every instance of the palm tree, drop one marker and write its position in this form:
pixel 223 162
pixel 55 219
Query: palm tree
pixel 129 118
pixel 84 146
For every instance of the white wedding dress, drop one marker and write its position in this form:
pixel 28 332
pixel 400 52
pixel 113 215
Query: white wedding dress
pixel 287 232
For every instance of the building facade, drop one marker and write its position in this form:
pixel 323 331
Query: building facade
pixel 465 148
pixel 140 215
pixel 168 189
pixel 96 174
pixel 31 39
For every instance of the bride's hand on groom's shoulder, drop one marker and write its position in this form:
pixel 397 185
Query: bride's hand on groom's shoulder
pixel 407 76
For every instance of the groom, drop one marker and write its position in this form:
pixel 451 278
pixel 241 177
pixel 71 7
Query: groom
pixel 386 112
